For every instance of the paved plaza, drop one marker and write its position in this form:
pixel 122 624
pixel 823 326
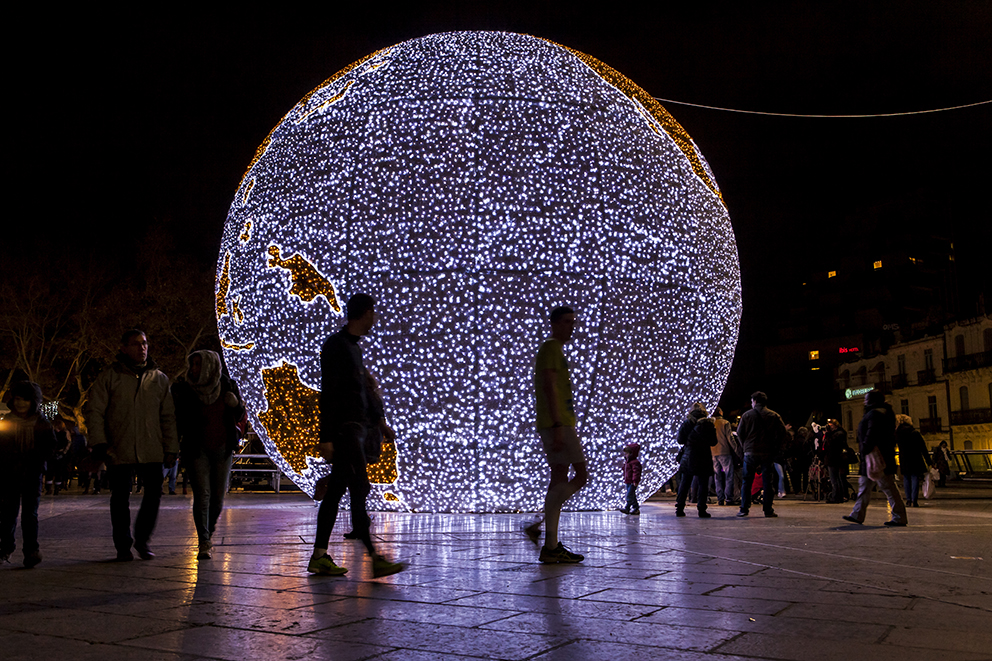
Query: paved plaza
pixel 806 585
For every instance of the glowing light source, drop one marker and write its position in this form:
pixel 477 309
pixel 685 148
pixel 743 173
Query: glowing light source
pixel 471 182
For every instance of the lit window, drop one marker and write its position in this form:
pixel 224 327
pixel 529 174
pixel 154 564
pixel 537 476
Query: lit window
pixel 878 264
pixel 814 355
pixel 913 260
pixel 831 274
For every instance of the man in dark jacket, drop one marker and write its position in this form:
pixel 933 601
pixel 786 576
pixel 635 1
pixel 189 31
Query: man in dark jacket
pixel 835 441
pixel 696 435
pixel 344 420
pixel 877 429
pixel 762 433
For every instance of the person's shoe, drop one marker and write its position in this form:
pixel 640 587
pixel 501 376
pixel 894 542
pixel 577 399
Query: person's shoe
pixel 771 515
pixel 916 504
pixel 31 559
pixel 351 535
pixel 559 555
pixel 742 513
pixel 848 517
pixel 320 487
pixel 172 492
pixel 144 552
pixel 705 515
pixel 781 494
pixel 636 513
pixel 625 510
pixel 205 551
pixel 325 566
pixel 382 567
pixel 533 531
pixel 891 524
pixel 124 556
pixel 680 513
pixel 4 558
pixel 721 503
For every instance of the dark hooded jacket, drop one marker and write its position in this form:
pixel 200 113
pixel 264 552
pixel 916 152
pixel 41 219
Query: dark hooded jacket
pixel 913 456
pixel 28 441
pixel 878 429
pixel 761 431
pixel 699 437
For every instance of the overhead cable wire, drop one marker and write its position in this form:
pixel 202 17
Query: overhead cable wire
pixel 789 114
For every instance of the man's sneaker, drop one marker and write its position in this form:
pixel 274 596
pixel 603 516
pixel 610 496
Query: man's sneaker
pixel 705 515
pixel 559 555
pixel 771 514
pixel 205 550
pixel 891 524
pixel 533 531
pixel 848 517
pixel 144 552
pixel 31 559
pixel 742 513
pixel 382 567
pixel 679 513
pixel 325 566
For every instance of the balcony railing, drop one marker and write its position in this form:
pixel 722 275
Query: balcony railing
pixel 926 377
pixel 929 425
pixel 900 381
pixel 968 362
pixel 971 416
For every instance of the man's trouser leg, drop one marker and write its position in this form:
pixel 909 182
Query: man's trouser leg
pixel 887 485
pixel 144 523
pixel 769 481
pixel 121 477
pixel 865 485
pixel 750 467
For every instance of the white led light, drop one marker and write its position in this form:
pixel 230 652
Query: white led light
pixel 470 182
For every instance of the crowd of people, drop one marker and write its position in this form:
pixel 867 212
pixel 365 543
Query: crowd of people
pixel 139 423
pixel 811 462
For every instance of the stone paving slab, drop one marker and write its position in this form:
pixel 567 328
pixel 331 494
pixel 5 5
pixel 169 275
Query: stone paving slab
pixel 803 586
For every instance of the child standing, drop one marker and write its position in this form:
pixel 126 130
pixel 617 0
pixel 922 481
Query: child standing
pixel 26 441
pixel 631 477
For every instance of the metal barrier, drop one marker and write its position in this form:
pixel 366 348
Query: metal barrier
pixel 973 464
pixel 256 463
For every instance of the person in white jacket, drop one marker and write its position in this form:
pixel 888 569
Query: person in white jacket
pixel 132 422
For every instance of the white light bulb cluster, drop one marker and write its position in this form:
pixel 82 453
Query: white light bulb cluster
pixel 471 182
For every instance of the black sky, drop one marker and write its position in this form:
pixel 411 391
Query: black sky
pixel 154 120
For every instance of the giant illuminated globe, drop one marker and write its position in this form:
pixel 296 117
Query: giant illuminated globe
pixel 470 182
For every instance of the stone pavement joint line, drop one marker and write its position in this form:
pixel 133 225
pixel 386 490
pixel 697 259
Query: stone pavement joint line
pixel 804 586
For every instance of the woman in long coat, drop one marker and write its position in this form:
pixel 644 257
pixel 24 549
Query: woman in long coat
pixel 697 435
pixel 208 409
pixel 913 460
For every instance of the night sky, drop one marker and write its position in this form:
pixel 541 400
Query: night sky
pixel 155 121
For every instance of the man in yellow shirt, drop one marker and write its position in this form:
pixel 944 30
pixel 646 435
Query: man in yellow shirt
pixel 556 426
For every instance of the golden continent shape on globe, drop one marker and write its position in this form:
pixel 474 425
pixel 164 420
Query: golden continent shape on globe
pixel 292 422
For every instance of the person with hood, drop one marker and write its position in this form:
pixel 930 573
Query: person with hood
pixel 208 409
pixel 696 436
pixel 26 442
pixel 762 433
pixel 877 430
pixel 631 477
pixel 914 459
pixel 942 460
pixel 132 423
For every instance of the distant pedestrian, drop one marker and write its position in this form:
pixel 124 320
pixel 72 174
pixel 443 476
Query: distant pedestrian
pixel 696 435
pixel 556 426
pixel 208 410
pixel 836 453
pixel 877 433
pixel 26 442
pixel 724 453
pixel 762 433
pixel 914 459
pixel 631 477
pixel 942 460
pixel 132 422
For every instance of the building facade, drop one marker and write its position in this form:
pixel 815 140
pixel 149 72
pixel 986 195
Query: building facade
pixel 943 382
